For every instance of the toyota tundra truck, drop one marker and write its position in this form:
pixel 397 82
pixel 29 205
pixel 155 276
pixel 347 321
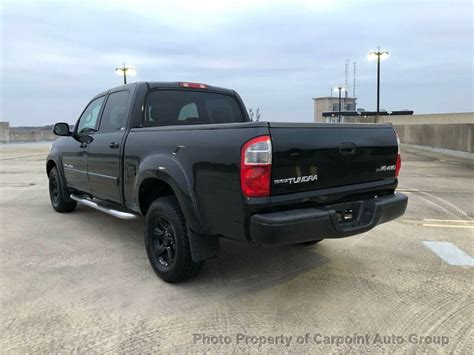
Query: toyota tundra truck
pixel 187 157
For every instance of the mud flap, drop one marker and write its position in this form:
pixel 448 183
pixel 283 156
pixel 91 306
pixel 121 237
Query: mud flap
pixel 203 247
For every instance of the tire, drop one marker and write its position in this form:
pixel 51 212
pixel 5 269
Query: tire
pixel 167 243
pixel 312 242
pixel 58 193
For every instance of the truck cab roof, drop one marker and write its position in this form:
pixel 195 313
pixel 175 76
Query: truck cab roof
pixel 167 85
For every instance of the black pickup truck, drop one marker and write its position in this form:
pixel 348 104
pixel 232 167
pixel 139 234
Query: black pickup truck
pixel 188 158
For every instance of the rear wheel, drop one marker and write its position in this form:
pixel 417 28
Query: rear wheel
pixel 58 193
pixel 312 242
pixel 167 243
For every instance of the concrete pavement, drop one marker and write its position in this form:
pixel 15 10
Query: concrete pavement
pixel 81 281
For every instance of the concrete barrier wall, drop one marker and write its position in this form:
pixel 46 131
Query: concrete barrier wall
pixel 8 134
pixel 452 131
pixel 4 132
pixel 31 135
pixel 457 137
pixel 436 118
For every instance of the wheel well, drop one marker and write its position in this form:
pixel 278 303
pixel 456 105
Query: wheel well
pixel 150 189
pixel 49 166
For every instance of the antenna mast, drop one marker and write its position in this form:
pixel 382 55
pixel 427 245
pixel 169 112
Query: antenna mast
pixel 346 72
pixel 346 76
pixel 354 81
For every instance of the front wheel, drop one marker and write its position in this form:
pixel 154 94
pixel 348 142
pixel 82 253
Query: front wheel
pixel 167 243
pixel 57 193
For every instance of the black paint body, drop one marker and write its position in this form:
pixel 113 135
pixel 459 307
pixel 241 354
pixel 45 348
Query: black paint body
pixel 201 164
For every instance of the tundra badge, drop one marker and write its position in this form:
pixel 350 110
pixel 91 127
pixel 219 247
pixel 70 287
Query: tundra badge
pixel 296 180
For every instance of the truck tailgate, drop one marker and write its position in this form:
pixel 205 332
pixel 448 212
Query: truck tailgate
pixel 315 156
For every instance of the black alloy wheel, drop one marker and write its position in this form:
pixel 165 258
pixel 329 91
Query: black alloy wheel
pixel 167 241
pixel 60 200
pixel 164 241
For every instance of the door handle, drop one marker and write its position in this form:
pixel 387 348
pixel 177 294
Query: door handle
pixel 83 145
pixel 114 145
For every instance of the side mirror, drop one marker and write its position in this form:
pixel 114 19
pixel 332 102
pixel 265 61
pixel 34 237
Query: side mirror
pixel 61 129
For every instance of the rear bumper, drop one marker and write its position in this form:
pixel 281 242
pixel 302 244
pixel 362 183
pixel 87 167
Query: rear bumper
pixel 303 225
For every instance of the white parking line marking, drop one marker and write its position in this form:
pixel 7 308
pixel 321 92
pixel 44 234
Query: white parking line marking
pixel 447 203
pixel 448 220
pixel 446 226
pixel 450 253
pixel 456 208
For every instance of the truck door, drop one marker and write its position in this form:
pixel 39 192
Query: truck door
pixel 74 156
pixel 103 153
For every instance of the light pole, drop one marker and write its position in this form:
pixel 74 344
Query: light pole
pixel 124 70
pixel 379 55
pixel 340 88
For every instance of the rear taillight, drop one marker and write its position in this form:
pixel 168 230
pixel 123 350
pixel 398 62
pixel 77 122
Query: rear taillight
pixel 256 167
pixel 399 159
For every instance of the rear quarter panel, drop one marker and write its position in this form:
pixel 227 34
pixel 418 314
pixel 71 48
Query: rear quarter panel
pixel 202 164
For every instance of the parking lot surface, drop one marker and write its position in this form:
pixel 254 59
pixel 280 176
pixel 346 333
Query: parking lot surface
pixel 81 281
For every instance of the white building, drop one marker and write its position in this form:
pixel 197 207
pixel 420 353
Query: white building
pixel 328 104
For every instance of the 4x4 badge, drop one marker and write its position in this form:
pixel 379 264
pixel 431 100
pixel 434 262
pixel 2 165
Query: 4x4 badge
pixel 385 168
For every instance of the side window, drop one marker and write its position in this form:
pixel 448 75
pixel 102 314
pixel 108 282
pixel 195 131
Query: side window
pixel 114 117
pixel 88 120
pixel 188 112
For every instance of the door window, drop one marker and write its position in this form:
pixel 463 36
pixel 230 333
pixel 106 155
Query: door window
pixel 114 117
pixel 89 119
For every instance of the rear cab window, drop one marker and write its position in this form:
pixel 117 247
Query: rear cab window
pixel 187 107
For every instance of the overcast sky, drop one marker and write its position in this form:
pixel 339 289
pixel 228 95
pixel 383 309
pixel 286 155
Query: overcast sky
pixel 278 55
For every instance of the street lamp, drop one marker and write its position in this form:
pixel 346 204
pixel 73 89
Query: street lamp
pixel 340 88
pixel 378 54
pixel 124 70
